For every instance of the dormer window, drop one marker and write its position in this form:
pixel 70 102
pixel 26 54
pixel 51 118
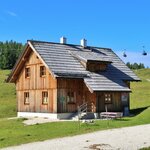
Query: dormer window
pixel 42 71
pixel 93 60
pixel 95 66
pixel 27 72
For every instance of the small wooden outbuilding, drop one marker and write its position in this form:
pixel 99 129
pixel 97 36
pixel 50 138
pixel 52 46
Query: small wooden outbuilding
pixel 53 79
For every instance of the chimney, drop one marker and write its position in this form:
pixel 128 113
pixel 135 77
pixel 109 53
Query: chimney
pixel 63 40
pixel 84 43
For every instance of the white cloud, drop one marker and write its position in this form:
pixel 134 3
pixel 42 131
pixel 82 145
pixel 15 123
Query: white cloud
pixel 133 57
pixel 11 13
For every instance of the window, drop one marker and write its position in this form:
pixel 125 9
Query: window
pixel 70 97
pixel 26 97
pixel 44 97
pixel 27 72
pixel 42 71
pixel 108 98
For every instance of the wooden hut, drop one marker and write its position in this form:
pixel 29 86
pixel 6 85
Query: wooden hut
pixel 54 79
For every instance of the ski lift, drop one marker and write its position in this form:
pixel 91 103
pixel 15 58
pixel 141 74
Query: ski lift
pixel 144 52
pixel 124 54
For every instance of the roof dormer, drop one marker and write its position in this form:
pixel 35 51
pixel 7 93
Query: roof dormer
pixel 91 60
pixel 96 66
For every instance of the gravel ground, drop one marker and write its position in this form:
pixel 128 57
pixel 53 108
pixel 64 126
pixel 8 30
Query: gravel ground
pixel 33 121
pixel 128 138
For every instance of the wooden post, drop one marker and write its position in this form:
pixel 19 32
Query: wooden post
pixel 79 117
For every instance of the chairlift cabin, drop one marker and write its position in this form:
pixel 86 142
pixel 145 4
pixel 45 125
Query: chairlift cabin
pixel 124 54
pixel 144 53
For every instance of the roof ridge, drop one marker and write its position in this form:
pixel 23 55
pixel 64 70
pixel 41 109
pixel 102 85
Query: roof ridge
pixel 67 44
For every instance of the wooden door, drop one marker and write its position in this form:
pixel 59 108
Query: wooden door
pixel 61 105
pixel 100 104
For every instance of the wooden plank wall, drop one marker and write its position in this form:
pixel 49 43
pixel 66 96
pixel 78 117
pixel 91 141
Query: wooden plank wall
pixel 35 85
pixel 90 98
pixel 65 86
pixel 114 106
pixel 81 94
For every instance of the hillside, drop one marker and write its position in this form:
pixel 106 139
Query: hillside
pixel 140 96
pixel 7 96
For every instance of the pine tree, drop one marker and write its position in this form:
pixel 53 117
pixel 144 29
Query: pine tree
pixel 9 53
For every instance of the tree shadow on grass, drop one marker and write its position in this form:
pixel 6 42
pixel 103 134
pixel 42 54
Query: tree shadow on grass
pixel 137 111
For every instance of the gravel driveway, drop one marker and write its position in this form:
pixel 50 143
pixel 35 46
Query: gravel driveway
pixel 128 138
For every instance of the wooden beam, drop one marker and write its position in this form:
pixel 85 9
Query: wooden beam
pixel 89 88
pixel 18 64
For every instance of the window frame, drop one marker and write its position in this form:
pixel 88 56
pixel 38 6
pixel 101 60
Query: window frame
pixel 44 97
pixel 71 97
pixel 106 97
pixel 26 98
pixel 42 71
pixel 27 72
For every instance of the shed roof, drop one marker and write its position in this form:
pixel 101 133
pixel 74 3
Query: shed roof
pixel 61 62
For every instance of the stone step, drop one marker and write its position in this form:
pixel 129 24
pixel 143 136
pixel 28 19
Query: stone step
pixel 87 115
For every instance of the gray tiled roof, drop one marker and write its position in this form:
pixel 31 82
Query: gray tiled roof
pixel 91 56
pixel 105 82
pixel 61 61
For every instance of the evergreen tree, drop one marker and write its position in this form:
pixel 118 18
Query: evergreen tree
pixel 9 53
pixel 135 65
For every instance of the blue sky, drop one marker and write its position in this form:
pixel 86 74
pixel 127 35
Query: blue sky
pixel 117 24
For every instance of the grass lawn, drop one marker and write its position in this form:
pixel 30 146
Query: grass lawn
pixel 146 148
pixel 13 132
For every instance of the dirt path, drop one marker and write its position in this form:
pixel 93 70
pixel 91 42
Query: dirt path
pixel 129 138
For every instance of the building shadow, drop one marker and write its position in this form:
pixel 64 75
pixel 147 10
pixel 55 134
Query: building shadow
pixel 137 111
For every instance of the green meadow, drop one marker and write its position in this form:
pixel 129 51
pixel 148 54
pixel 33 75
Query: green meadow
pixel 14 132
pixel 140 96
pixel 7 96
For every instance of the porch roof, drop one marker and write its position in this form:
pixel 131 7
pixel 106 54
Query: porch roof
pixel 104 81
